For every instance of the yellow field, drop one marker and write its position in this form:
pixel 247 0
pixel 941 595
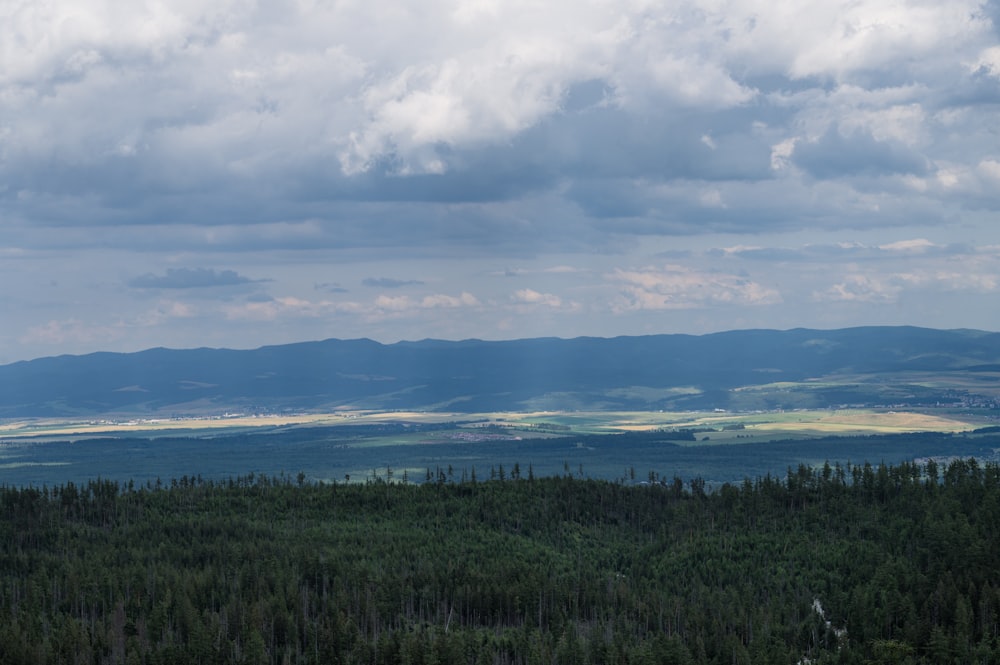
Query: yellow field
pixel 52 427
pixel 889 421
pixel 787 423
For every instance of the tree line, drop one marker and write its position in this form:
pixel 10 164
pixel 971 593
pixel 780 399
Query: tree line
pixel 837 564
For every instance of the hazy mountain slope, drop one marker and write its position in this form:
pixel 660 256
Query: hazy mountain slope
pixel 623 372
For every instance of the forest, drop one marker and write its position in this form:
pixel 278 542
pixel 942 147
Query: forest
pixel 832 564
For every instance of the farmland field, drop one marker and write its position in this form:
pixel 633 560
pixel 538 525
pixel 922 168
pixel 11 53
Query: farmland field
pixel 337 447
pixel 779 424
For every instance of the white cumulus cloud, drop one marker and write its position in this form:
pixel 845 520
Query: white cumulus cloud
pixel 681 287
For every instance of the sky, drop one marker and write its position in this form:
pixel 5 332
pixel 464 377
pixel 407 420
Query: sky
pixel 231 173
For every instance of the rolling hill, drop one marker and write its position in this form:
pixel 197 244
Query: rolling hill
pixel 740 370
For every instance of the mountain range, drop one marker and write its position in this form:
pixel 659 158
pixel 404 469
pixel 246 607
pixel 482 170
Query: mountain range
pixel 740 370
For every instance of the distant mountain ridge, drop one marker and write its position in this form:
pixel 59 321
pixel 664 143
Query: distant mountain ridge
pixel 736 369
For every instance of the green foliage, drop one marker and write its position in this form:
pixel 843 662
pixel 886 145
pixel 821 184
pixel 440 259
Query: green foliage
pixel 851 564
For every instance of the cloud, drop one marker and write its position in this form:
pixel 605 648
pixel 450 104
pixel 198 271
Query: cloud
pixel 848 251
pixel 317 134
pixel 292 308
pixel 774 153
pixel 990 168
pixel 857 153
pixel 389 282
pixel 489 95
pixel 73 331
pixel 287 307
pixel 434 301
pixel 889 286
pixel 861 288
pixel 394 303
pixel 68 332
pixel 973 279
pixel 164 311
pixel 681 287
pixel 189 278
pixel 913 246
pixel 989 61
pixel 330 287
pixel 532 297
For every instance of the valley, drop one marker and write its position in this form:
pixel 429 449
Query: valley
pixel 355 446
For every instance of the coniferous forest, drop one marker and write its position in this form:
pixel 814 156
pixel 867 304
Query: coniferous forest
pixel 841 564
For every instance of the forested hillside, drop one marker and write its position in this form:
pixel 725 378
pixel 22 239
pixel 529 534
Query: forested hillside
pixel 838 565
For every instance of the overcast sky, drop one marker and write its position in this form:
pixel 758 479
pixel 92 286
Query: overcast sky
pixel 234 173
